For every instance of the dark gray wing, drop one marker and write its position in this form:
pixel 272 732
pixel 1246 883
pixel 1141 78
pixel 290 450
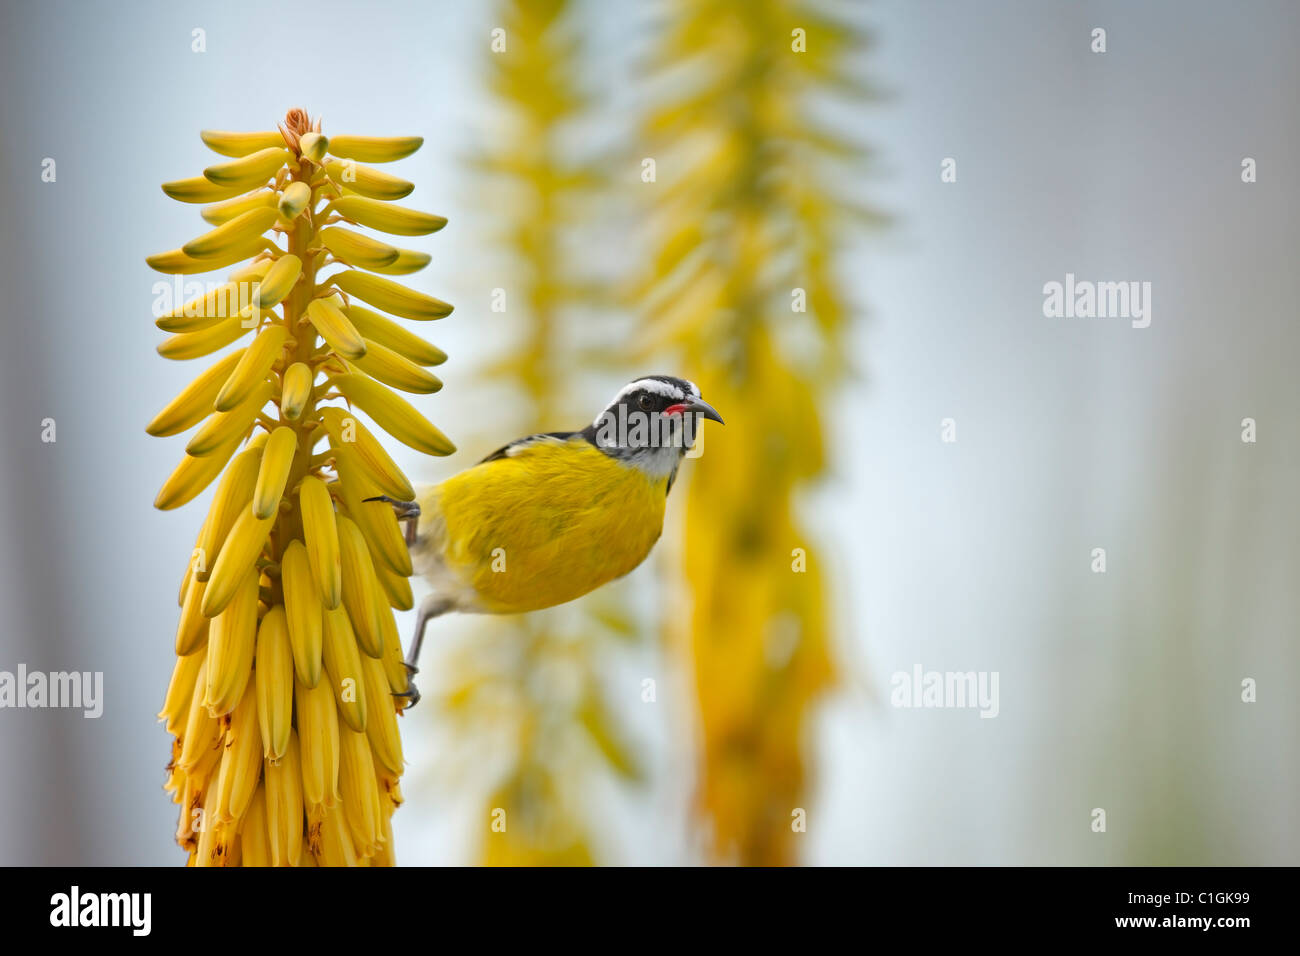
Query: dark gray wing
pixel 505 451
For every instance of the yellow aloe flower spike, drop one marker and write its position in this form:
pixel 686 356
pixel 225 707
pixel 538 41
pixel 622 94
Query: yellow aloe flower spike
pixel 282 701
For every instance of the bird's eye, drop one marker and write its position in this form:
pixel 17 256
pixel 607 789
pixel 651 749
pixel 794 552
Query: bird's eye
pixel 645 403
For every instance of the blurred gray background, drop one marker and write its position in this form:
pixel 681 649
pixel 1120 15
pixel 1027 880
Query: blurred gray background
pixel 1118 690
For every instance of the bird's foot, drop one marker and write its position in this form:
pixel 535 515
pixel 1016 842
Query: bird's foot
pixel 406 510
pixel 412 693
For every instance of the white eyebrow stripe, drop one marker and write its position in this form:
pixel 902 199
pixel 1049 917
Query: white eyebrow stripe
pixel 649 385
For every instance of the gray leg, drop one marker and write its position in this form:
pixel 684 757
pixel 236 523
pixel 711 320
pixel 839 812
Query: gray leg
pixel 431 607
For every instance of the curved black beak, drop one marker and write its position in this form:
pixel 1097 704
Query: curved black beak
pixel 701 407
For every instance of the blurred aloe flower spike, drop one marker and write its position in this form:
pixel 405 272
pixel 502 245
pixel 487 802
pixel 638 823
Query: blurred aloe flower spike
pixel 567 738
pixel 757 200
pixel 288 680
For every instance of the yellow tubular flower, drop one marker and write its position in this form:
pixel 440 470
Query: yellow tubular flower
pixel 282 705
pixel 752 202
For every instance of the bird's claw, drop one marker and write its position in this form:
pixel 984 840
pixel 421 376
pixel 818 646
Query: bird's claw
pixel 406 510
pixel 412 693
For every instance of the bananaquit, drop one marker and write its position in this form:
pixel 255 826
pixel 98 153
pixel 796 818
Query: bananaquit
pixel 550 517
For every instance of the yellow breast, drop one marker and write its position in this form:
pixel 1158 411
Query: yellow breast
pixel 545 525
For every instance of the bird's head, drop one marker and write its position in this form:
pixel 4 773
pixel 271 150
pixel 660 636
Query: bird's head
pixel 652 421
